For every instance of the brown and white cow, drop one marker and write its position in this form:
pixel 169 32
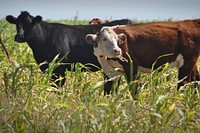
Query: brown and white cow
pixel 142 45
pixel 98 21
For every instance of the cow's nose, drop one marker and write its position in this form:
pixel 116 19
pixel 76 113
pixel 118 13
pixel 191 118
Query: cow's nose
pixel 19 38
pixel 117 51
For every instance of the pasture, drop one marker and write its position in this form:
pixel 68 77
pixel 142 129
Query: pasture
pixel 29 104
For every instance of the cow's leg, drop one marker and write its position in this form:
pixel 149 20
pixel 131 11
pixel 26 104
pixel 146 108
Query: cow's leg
pixel 58 76
pixel 131 70
pixel 195 74
pixel 188 72
pixel 118 83
pixel 60 71
pixel 107 85
pixel 57 79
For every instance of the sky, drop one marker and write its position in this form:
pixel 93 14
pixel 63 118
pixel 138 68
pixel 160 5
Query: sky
pixel 103 9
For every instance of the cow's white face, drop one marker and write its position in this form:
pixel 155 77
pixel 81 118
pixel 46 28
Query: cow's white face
pixel 105 43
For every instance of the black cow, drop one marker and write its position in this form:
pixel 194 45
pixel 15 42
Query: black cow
pixel 50 39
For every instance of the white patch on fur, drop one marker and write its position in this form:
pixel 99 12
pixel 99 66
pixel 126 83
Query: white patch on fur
pixel 178 63
pixel 107 43
pixel 114 69
pixel 110 67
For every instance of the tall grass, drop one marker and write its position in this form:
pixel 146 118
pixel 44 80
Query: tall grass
pixel 28 104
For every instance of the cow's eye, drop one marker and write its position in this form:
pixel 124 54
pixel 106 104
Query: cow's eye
pixel 104 39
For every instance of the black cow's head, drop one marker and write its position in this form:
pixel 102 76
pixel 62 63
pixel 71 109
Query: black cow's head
pixel 24 23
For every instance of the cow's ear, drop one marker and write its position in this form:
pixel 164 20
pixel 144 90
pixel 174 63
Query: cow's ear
pixel 121 38
pixel 11 19
pixel 37 20
pixel 90 38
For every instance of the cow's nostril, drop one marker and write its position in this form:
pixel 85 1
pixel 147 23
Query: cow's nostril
pixel 117 50
pixel 19 38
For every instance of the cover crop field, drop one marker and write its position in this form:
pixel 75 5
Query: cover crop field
pixel 28 104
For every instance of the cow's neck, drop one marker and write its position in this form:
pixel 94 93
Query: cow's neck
pixel 111 67
pixel 36 36
pixel 37 40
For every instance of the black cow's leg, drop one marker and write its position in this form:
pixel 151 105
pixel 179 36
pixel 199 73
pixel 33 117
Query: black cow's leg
pixel 107 85
pixel 58 76
pixel 57 73
pixel 118 83
pixel 188 72
pixel 58 80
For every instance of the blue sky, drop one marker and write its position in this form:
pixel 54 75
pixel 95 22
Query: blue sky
pixel 104 9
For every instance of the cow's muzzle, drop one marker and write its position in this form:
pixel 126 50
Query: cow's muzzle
pixel 119 59
pixel 19 38
pixel 117 51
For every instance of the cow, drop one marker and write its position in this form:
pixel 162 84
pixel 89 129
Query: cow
pixel 142 47
pixel 98 21
pixel 48 40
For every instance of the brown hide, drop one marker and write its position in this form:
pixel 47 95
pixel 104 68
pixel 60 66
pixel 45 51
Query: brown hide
pixel 149 41
pixel 98 21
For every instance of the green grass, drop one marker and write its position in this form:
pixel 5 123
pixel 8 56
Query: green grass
pixel 28 104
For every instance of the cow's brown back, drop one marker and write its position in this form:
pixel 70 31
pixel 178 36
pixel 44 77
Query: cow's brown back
pixel 152 40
